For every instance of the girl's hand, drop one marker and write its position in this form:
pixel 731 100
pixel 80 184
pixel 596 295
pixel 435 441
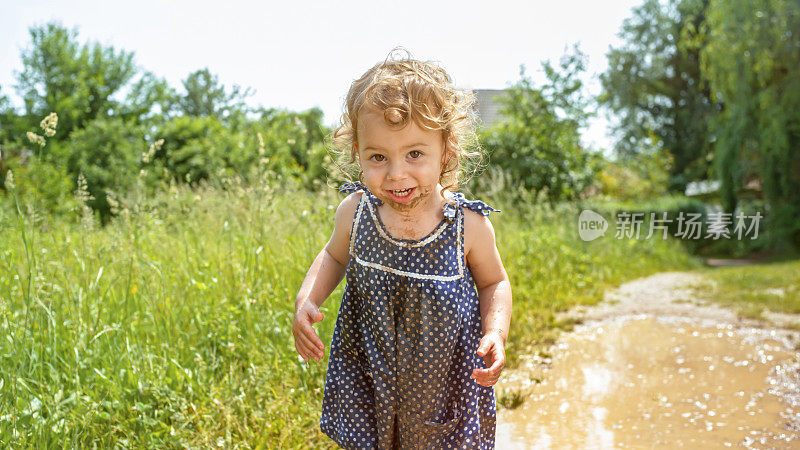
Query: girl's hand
pixel 306 341
pixel 492 349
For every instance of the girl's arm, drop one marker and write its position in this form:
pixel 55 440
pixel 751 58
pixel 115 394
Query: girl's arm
pixel 494 292
pixel 325 274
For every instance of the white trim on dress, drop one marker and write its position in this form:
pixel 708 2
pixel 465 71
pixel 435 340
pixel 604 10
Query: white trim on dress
pixel 421 276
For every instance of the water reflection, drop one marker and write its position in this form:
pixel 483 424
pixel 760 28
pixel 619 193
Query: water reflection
pixel 641 382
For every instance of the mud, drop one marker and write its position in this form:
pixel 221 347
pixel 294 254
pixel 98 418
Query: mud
pixel 653 367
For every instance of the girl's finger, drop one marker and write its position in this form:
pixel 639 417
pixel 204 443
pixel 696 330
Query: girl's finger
pixel 487 376
pixel 497 366
pixel 308 331
pixel 301 350
pixel 479 372
pixel 487 383
pixel 305 342
pixel 485 349
pixel 315 342
pixel 308 343
pixel 315 350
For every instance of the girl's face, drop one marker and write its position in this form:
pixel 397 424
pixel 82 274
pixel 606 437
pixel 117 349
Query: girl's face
pixel 400 166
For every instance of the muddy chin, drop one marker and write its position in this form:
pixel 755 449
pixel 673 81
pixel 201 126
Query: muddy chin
pixel 422 195
pixel 646 382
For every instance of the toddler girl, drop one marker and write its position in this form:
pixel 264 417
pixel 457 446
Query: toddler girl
pixel 420 337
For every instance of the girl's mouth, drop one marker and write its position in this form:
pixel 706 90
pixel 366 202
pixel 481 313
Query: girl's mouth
pixel 401 195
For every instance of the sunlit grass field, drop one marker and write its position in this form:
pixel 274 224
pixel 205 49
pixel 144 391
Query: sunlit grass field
pixel 171 327
pixel 751 289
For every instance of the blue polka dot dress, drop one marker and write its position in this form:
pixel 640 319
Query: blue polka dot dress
pixel 405 341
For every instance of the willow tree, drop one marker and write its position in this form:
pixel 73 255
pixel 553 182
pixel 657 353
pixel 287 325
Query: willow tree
pixel 654 87
pixel 752 60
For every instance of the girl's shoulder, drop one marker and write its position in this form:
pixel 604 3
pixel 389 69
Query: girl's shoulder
pixel 477 227
pixel 346 210
pixel 338 245
pixel 356 189
pixel 477 206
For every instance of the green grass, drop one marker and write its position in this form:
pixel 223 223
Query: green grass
pixel 751 289
pixel 171 327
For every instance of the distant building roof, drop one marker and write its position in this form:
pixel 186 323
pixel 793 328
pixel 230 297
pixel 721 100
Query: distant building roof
pixel 487 106
pixel 694 188
pixel 710 188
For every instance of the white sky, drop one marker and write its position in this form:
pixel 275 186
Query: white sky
pixel 305 54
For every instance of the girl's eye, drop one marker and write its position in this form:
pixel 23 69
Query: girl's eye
pixel 415 154
pixel 378 156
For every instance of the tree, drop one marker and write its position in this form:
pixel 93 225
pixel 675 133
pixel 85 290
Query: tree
pixel 294 142
pixel 752 61
pixel 205 96
pixel 7 117
pixel 539 141
pixel 194 148
pixel 76 81
pixel 654 85
pixel 150 101
pixel 106 152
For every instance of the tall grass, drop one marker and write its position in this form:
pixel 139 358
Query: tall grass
pixel 171 326
pixel 773 286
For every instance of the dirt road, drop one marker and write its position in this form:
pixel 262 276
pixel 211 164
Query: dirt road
pixel 654 367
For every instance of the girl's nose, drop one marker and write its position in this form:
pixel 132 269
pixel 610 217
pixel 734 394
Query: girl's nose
pixel 396 171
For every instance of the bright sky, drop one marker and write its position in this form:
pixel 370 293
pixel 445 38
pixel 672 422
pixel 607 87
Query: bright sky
pixel 299 55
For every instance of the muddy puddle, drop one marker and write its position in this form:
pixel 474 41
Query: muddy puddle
pixel 644 381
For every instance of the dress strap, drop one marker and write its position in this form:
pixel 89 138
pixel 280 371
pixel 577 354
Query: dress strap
pixel 475 205
pixel 355 186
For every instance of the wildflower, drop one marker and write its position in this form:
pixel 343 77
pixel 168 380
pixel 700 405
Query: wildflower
pixel 112 203
pixel 82 193
pixel 154 147
pixel 49 124
pixel 83 196
pixel 261 149
pixel 35 139
pixel 9 180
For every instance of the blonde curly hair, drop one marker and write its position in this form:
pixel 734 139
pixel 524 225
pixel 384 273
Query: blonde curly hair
pixel 408 89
